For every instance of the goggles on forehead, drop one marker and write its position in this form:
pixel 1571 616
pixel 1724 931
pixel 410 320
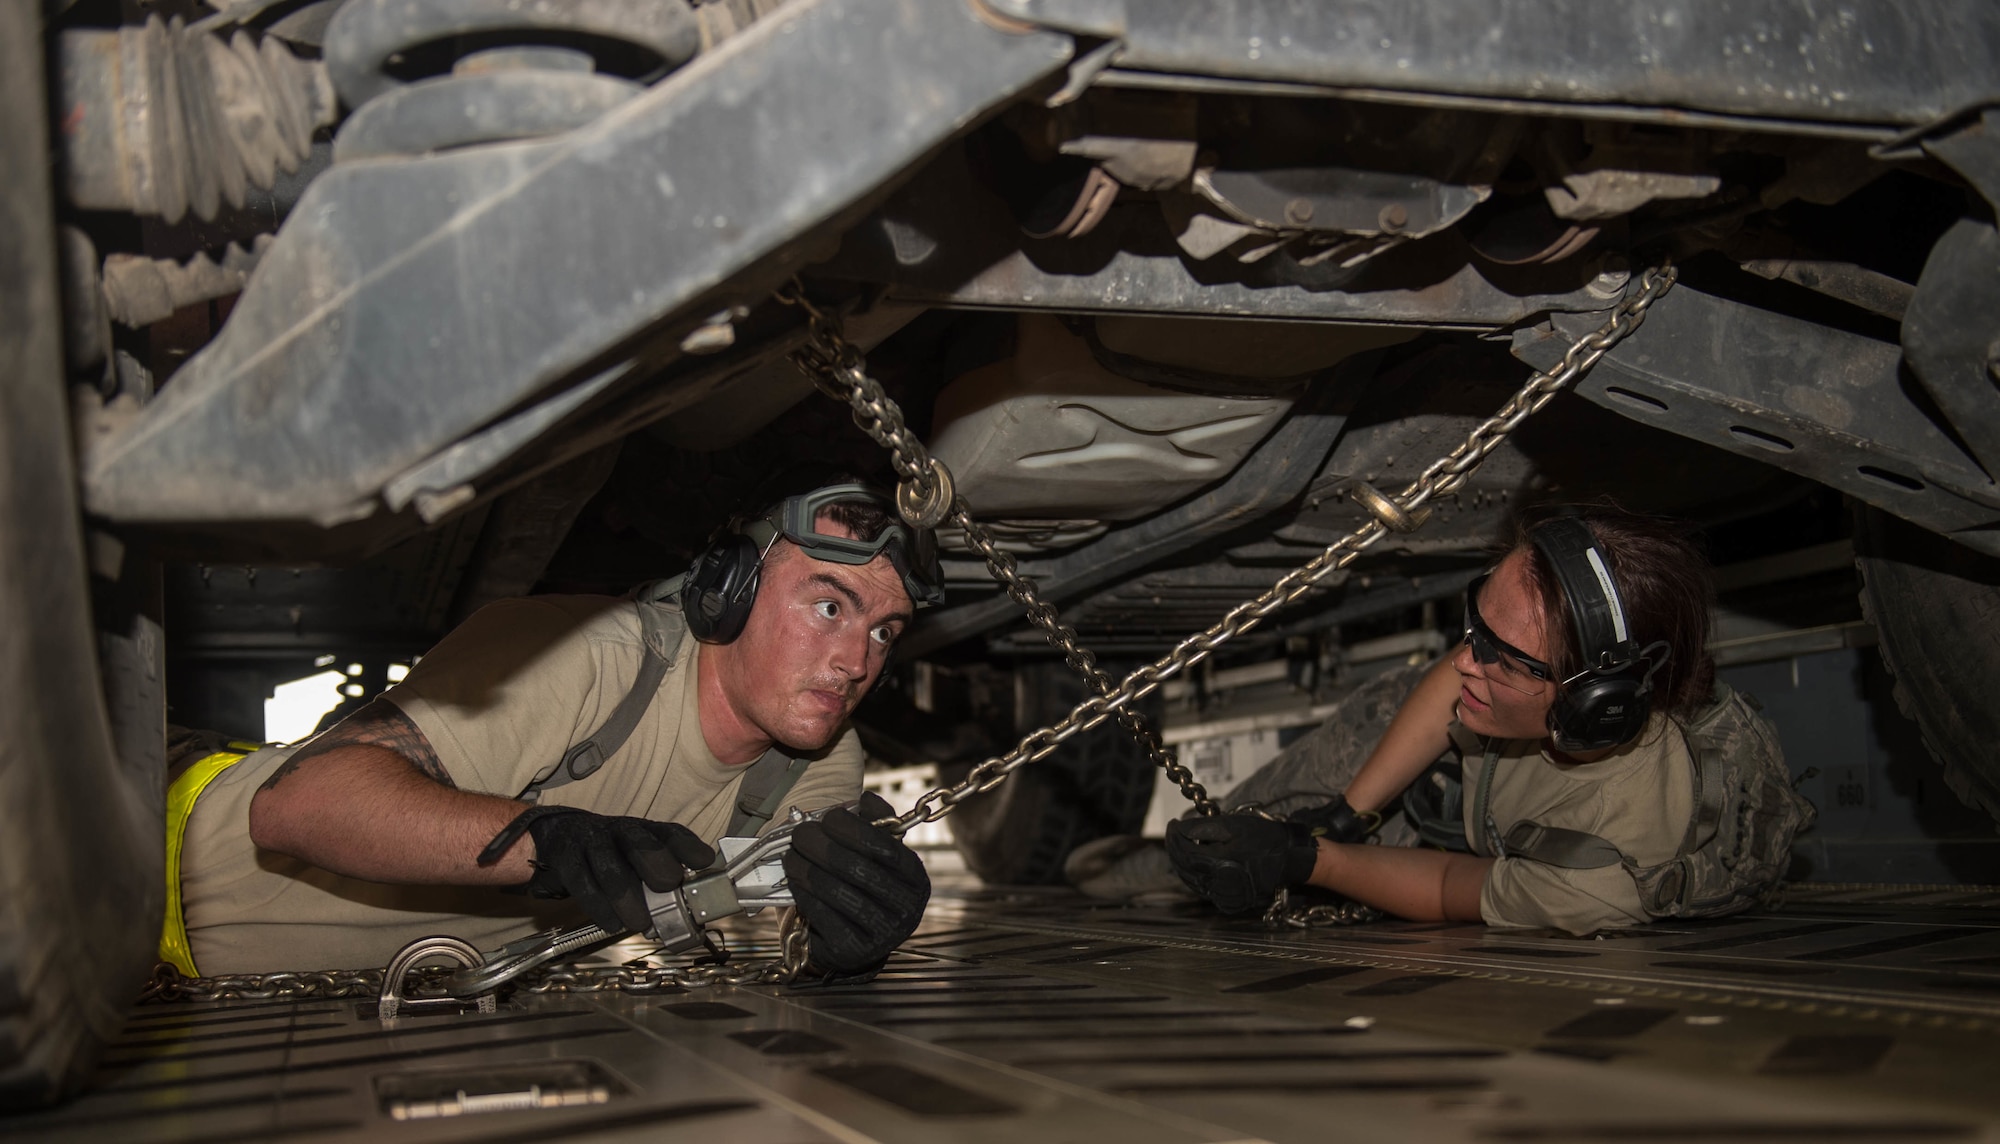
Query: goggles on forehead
pixel 912 551
pixel 1490 649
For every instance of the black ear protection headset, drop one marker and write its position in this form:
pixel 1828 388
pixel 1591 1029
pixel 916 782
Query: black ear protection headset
pixel 720 588
pixel 1607 701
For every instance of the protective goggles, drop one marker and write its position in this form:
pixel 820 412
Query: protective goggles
pixel 1491 650
pixel 912 551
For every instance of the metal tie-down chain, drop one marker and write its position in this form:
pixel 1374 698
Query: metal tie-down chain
pixel 638 976
pixel 925 497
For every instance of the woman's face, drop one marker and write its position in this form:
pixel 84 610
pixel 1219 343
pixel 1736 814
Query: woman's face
pixel 1502 699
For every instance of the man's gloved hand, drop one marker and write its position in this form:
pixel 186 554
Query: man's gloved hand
pixel 1338 821
pixel 600 861
pixel 1238 861
pixel 859 889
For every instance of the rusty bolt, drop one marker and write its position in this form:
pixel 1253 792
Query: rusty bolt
pixel 1393 217
pixel 1298 211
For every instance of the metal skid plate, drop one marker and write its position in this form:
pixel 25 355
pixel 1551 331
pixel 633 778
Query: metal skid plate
pixel 1854 1013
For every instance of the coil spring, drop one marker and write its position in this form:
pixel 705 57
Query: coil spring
pixel 429 75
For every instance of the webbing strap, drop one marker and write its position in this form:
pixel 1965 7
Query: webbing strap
pixel 1550 845
pixel 1709 797
pixel 1490 844
pixel 181 796
pixel 661 632
pixel 1710 790
pixel 1556 846
pixel 762 791
pixel 582 760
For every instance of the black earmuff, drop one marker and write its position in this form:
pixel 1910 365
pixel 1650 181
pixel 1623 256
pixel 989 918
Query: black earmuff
pixel 1600 711
pixel 1607 701
pixel 721 588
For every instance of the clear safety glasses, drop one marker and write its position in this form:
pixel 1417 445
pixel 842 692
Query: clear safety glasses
pixel 1517 669
pixel 913 552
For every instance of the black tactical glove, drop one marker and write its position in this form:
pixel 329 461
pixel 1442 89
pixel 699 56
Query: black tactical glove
pixel 1238 861
pixel 859 889
pixel 1338 821
pixel 600 861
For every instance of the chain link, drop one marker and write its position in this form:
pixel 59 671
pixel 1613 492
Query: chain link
pixel 1283 913
pixel 926 494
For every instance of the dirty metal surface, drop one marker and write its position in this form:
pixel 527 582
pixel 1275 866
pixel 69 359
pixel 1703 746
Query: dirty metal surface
pixel 1847 1013
pixel 1760 59
pixel 478 297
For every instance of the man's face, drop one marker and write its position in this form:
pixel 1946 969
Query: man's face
pixel 816 640
pixel 1500 699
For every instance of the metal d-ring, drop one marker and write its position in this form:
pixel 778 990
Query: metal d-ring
pixel 1393 516
pixel 406 959
pixel 922 511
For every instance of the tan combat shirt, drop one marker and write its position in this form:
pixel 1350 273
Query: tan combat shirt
pixel 500 700
pixel 1640 798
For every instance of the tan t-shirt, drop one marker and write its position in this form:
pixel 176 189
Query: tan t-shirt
pixel 501 699
pixel 1640 799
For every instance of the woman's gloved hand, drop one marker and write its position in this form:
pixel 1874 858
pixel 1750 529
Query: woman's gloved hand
pixel 1239 861
pixel 602 861
pixel 859 889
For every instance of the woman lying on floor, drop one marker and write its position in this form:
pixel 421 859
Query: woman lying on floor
pixel 1573 765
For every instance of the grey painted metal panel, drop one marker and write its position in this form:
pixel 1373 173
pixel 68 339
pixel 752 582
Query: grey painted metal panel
pixel 1877 62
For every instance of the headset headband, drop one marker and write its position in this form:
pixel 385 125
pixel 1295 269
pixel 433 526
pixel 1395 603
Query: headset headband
pixel 1596 612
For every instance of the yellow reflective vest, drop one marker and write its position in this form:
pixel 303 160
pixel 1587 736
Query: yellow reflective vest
pixel 181 796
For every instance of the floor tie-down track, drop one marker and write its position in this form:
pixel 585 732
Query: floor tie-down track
pixel 1856 1014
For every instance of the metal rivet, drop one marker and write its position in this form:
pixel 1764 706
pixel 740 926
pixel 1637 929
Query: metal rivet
pixel 1298 211
pixel 1393 217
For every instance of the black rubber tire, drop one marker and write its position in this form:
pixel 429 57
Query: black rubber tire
pixel 81 882
pixel 1936 608
pixel 1098 784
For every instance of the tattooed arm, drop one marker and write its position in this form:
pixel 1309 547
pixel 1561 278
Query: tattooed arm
pixel 369 799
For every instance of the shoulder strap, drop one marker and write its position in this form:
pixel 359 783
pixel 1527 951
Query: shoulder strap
pixel 1710 792
pixel 1490 844
pixel 1707 750
pixel 1555 846
pixel 661 632
pixel 763 791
